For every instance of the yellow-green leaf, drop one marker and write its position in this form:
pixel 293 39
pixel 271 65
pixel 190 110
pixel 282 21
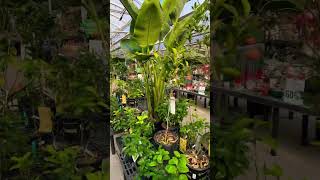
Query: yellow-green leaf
pixel 148 23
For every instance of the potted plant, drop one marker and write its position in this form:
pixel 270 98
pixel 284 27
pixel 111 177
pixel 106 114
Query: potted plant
pixel 198 160
pixel 181 111
pixel 168 138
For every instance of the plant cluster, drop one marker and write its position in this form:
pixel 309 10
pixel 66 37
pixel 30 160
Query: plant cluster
pixel 159 165
pixel 123 118
pixel 194 129
pixel 135 88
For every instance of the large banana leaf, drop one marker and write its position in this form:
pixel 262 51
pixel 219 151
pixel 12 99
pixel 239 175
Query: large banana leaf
pixel 171 13
pixel 178 35
pixel 133 12
pixel 172 9
pixel 148 23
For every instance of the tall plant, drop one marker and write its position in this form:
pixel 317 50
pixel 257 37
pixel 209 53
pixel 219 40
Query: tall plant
pixel 151 24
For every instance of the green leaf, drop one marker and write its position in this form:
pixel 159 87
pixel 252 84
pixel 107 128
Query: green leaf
pixel 166 157
pixel 232 10
pixel 177 154
pixel 131 8
pixel 246 7
pixel 148 24
pixel 182 167
pixel 174 160
pixel 130 45
pixel 172 9
pixel 152 164
pixel 183 177
pixel 159 159
pixel 171 169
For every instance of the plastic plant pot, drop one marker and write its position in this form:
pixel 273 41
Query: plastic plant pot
pixel 169 147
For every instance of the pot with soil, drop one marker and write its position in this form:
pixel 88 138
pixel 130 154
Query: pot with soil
pixel 198 163
pixel 167 139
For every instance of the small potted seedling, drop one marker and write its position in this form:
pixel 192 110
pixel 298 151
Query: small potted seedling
pixel 168 138
pixel 198 159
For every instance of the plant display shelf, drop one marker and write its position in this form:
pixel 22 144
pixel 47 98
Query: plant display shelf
pixel 195 95
pixel 272 104
pixel 128 166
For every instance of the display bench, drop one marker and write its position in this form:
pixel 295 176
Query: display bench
pixel 194 95
pixel 272 105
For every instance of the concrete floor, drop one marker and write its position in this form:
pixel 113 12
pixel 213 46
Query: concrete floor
pixel 298 162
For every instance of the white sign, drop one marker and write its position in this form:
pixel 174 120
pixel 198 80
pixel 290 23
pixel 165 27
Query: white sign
pixel 293 91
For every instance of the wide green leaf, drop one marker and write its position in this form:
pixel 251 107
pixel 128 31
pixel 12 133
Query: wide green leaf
pixel 130 45
pixel 179 34
pixel 172 9
pixel 148 23
pixel 183 177
pixel 171 169
pixel 177 154
pixel 174 160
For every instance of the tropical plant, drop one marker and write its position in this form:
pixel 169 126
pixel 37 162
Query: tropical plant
pixel 145 35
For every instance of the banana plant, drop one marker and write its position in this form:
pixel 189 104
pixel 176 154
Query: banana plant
pixel 150 25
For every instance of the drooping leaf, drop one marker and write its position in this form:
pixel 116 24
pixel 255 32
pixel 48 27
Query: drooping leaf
pixel 246 7
pixel 172 9
pixel 179 34
pixel 148 23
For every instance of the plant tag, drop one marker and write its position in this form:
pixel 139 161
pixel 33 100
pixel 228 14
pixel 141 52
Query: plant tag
pixel 172 105
pixel 194 176
pixel 135 158
pixel 183 145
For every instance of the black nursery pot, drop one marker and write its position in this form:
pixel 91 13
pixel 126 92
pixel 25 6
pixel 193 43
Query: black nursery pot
pixel 171 148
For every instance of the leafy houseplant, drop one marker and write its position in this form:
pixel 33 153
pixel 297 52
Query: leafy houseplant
pixel 174 119
pixel 159 165
pixel 123 118
pixel 137 142
pixel 197 159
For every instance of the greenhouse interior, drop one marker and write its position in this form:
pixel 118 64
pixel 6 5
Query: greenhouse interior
pixel 159 89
